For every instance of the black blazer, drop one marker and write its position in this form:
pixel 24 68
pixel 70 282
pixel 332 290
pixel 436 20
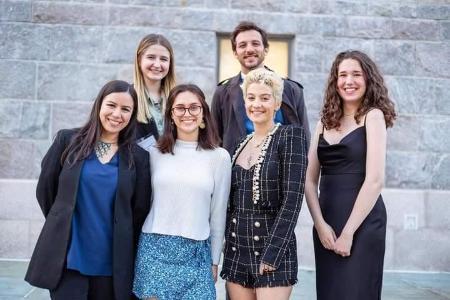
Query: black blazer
pixel 281 188
pixel 228 110
pixel 57 193
pixel 144 130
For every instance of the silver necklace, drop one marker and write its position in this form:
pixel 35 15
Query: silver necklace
pixel 102 148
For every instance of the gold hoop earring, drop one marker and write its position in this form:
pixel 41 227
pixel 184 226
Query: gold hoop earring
pixel 202 125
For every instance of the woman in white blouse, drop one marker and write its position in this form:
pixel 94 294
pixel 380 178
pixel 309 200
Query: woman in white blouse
pixel 181 240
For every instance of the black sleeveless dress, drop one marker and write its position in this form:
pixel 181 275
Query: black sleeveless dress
pixel 360 275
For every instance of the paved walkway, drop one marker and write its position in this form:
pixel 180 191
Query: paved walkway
pixel 396 286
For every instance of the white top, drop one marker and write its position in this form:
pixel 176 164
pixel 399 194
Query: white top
pixel 190 191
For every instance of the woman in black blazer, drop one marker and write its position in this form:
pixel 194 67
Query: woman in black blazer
pixel 269 166
pixel 94 193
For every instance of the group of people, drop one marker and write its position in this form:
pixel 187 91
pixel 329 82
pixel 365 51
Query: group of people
pixel 143 200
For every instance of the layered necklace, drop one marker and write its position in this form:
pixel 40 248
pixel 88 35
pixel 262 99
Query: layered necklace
pixel 254 152
pixel 102 148
pixel 259 160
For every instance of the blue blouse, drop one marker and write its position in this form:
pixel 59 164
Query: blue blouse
pixel 90 250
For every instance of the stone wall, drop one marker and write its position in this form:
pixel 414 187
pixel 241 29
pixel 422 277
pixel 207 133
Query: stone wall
pixel 55 55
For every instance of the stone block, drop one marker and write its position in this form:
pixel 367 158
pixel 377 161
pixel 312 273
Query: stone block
pixel 190 48
pixel 400 203
pixel 395 57
pixel 425 249
pixel 56 43
pixel 172 3
pixel 17 199
pixel 437 207
pixel 297 6
pixel 305 246
pixel 388 8
pixel 433 11
pixel 69 115
pixel 432 59
pixel 19 159
pixel 406 169
pixel 313 118
pixel 34 123
pixel 128 39
pixel 73 82
pixel 264 5
pixel 339 7
pixel 14 239
pixel 333 46
pixel 22 41
pixel 17 79
pixel 314 85
pixel 308 55
pixel 419 95
pixel 134 16
pixel 35 228
pixel 366 27
pixel 435 134
pixel 69 13
pixel 405 135
pixel 10 113
pixel 199 76
pixel 217 4
pixel 445 30
pixel 408 29
pixel 319 25
pixel 389 249
pixel 441 176
pixel 18 11
pixel 163 17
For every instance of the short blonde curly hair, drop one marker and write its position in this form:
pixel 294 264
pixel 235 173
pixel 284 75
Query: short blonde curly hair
pixel 265 77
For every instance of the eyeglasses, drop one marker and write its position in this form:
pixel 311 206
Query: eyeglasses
pixel 194 110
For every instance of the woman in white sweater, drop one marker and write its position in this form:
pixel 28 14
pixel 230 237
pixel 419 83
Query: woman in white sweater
pixel 181 240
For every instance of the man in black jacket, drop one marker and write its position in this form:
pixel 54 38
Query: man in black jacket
pixel 250 46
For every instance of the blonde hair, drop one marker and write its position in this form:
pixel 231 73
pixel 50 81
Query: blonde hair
pixel 167 83
pixel 265 77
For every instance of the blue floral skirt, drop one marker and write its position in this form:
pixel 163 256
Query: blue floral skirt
pixel 173 267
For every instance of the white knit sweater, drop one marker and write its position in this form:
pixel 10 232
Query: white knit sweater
pixel 190 193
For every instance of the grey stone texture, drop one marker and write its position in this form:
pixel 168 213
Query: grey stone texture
pixel 55 56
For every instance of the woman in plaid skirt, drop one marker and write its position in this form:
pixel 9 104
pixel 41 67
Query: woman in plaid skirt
pixel 268 175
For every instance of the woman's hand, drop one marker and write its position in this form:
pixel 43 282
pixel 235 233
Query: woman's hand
pixel 214 272
pixel 343 244
pixel 326 235
pixel 265 268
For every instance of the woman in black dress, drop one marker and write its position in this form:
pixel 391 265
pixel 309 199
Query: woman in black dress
pixel 267 184
pixel 348 152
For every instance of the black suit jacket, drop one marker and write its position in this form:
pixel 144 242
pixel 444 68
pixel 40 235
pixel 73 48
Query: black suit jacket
pixel 228 110
pixel 57 193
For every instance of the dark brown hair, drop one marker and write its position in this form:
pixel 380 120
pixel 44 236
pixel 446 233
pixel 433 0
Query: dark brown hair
pixel 376 95
pixel 83 142
pixel 247 26
pixel 207 137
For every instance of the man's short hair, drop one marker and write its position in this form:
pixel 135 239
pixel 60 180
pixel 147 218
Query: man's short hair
pixel 247 26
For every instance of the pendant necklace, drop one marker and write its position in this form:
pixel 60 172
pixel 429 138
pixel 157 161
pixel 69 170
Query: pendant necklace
pixel 102 148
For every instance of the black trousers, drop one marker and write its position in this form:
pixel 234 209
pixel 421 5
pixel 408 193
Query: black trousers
pixel 76 286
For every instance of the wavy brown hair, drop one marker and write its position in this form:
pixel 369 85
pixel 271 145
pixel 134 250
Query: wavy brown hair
pixel 83 142
pixel 207 137
pixel 376 95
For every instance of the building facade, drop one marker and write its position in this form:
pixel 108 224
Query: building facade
pixel 55 55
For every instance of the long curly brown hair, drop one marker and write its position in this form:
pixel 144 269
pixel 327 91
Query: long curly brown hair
pixel 376 95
